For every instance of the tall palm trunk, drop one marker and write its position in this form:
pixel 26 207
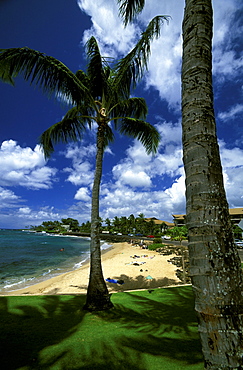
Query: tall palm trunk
pixel 97 294
pixel 214 262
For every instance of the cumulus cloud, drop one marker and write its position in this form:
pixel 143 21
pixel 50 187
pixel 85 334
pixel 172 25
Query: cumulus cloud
pixel 82 157
pixel 232 113
pixel 138 169
pixel 82 170
pixel 232 163
pixel 134 179
pixel 14 156
pixel 123 197
pixel 105 19
pixel 83 195
pixel 24 167
pixel 161 204
pixel 8 198
pixel 137 186
pixel 80 174
pixel 25 216
pixel 226 60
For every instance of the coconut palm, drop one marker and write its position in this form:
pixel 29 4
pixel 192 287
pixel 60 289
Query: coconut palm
pixel 214 262
pixel 100 96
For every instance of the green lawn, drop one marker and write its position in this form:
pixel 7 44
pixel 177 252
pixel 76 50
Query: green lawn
pixel 145 331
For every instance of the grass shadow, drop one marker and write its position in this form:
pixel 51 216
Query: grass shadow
pixel 26 329
pixel 161 327
pixel 146 330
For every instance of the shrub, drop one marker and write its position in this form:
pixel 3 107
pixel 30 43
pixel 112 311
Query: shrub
pixel 156 240
pixel 154 246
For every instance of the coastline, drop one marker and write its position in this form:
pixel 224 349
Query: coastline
pixel 139 268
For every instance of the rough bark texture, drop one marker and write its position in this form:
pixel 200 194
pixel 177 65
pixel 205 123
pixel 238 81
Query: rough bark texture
pixel 214 262
pixel 98 298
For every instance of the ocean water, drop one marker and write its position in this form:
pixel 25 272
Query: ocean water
pixel 27 258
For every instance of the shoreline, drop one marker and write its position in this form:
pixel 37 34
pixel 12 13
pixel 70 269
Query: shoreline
pixel 47 272
pixel 139 268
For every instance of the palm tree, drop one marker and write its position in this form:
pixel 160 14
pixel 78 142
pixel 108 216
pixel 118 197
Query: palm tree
pixel 215 267
pixel 116 223
pixel 99 96
pixel 141 223
pixel 108 223
pixel 132 223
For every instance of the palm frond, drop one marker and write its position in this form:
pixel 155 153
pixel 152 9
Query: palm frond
pixel 5 74
pixel 83 78
pixel 130 69
pixel 128 9
pixel 98 70
pixel 132 107
pixel 47 72
pixel 70 128
pixel 141 130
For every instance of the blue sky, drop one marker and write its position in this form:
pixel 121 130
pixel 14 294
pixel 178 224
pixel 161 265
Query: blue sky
pixel 33 190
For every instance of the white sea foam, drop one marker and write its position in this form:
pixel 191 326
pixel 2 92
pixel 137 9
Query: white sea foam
pixel 105 246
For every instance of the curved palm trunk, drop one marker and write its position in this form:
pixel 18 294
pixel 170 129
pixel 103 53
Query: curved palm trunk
pixel 214 262
pixel 98 298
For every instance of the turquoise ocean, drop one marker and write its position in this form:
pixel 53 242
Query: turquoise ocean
pixel 27 258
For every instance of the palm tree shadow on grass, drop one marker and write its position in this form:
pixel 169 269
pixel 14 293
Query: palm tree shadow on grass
pixel 27 329
pixel 142 327
pixel 163 327
pixel 32 334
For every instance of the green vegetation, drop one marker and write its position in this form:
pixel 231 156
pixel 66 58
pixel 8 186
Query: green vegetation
pixel 154 246
pixel 237 232
pixel 146 330
pixel 124 225
pixel 66 224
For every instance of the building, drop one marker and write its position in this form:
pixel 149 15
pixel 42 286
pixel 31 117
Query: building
pixel 236 215
pixel 179 220
pixel 164 224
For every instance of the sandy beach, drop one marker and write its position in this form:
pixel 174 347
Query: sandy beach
pixel 138 268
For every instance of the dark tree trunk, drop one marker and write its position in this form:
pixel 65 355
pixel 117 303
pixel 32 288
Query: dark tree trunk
pixel 98 298
pixel 214 262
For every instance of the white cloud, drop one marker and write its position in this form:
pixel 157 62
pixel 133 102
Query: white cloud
pixel 231 113
pixel 226 62
pixel 77 152
pixel 176 194
pixel 83 194
pixel 140 170
pixel 123 198
pixel 80 174
pixel 83 163
pixel 82 170
pixel 124 201
pixel 107 27
pixel 24 211
pixel 8 198
pixel 14 156
pixel 232 162
pixel 135 179
pixel 24 167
